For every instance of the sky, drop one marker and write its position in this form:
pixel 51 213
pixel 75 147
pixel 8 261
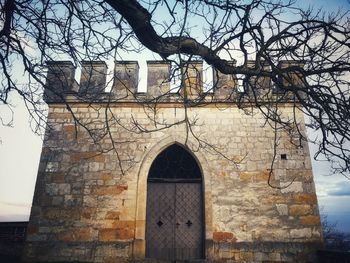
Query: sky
pixel 20 152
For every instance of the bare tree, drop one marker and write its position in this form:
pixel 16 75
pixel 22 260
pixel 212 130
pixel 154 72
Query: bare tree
pixel 219 32
pixel 334 238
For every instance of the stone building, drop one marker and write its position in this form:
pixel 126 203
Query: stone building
pixel 123 177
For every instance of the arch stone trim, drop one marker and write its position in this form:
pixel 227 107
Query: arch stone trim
pixel 139 246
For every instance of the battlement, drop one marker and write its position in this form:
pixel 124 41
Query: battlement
pixel 60 81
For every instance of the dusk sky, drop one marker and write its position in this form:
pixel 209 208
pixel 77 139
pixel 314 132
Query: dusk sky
pixel 20 152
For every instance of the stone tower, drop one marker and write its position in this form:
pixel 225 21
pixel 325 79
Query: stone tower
pixel 123 177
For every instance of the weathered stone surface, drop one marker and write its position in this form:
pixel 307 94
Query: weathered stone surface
pixel 112 234
pixel 295 187
pixel 301 233
pixel 310 220
pixel 109 190
pixel 76 234
pixel 224 237
pixel 93 156
pixel 282 209
pixel 298 210
pixel 112 215
pixel 305 198
pixel 254 176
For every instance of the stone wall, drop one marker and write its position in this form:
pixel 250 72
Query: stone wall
pixel 85 204
pixel 90 196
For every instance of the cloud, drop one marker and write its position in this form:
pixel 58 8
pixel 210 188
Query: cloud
pixel 340 189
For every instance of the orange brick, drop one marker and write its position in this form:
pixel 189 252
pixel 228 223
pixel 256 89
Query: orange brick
pixel 87 213
pixel 223 174
pixel 224 237
pixel 106 177
pixel 112 215
pixel 110 234
pixel 109 190
pixel 32 229
pixel 305 198
pixel 56 115
pixel 69 128
pixel 125 224
pixel 79 234
pixel 254 176
pixel 275 199
pixel 299 210
pixel 310 220
pixel 57 178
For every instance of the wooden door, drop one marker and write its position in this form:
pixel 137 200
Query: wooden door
pixel 174 223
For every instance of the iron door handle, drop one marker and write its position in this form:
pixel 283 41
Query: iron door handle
pixel 177 224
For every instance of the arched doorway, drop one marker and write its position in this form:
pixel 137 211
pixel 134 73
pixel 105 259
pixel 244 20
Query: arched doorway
pixel 174 220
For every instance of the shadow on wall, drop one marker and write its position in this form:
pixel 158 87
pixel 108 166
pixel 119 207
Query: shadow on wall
pixel 12 238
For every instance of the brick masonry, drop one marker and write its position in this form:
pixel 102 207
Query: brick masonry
pixel 90 198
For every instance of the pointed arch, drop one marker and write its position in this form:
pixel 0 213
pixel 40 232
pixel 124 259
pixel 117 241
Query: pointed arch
pixel 175 163
pixel 148 159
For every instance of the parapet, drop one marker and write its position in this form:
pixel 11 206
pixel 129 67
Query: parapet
pixel 60 81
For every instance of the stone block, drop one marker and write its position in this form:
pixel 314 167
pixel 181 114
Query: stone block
pixel 109 190
pixel 91 156
pixel 282 209
pixel 32 229
pixel 88 213
pixel 247 256
pixel 106 177
pixel 111 234
pixel 63 189
pixel 256 176
pixel 61 214
pixel 76 234
pixel 57 177
pixel 305 198
pixel 298 210
pixel 90 201
pixel 224 237
pixel 36 237
pixel 295 187
pixel 113 215
pixel 302 233
pixel 57 200
pixel 310 220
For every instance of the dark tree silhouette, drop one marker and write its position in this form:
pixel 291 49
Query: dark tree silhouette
pixel 316 78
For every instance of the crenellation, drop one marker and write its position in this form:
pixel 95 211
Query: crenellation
pixel 158 82
pixel 61 84
pixel 192 83
pixel 262 84
pixel 224 85
pixel 126 80
pixel 93 78
pixel 59 80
